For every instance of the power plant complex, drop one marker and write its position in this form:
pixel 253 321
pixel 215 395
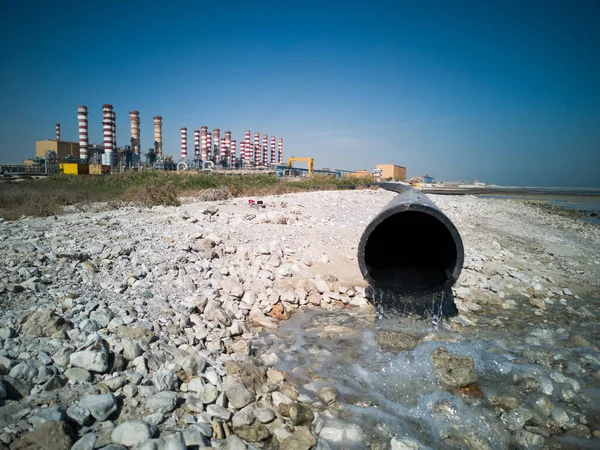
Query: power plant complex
pixel 211 151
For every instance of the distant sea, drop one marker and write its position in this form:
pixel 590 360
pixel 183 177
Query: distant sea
pixel 586 201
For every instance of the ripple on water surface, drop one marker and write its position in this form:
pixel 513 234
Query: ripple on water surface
pixel 394 392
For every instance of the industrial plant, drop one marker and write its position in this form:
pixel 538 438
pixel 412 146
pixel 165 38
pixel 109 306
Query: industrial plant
pixel 212 153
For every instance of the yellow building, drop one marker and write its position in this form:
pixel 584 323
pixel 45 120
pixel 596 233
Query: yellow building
pixel 61 148
pixel 74 168
pixel 391 172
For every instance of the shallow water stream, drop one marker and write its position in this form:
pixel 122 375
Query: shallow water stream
pixel 537 386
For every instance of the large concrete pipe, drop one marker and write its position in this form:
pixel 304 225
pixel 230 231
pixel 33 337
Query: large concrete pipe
pixel 411 254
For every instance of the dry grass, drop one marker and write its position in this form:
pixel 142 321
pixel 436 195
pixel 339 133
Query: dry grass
pixel 152 194
pixel 45 197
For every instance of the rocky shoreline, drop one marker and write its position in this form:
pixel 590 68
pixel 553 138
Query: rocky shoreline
pixel 158 328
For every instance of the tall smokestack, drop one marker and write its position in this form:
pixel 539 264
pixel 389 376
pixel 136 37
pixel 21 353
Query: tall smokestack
pixel 247 148
pixel 82 113
pixel 232 152
pixel 228 147
pixel 256 148
pixel 158 135
pixel 216 137
pixel 280 150
pixel 107 132
pixel 223 154
pixel 196 144
pixel 183 143
pixel 204 142
pixel 273 149
pixel 58 132
pixel 208 145
pixel 114 130
pixel 134 121
pixel 265 150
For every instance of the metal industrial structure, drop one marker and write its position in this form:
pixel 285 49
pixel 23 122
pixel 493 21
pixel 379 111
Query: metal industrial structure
pixel 218 148
pixel 309 160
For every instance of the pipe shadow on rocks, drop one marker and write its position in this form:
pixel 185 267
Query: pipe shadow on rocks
pixel 411 254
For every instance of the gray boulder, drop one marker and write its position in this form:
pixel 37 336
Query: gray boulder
pixel 100 406
pixel 94 358
pixel 163 402
pixel 132 433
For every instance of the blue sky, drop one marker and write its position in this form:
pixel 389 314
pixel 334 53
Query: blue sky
pixel 500 91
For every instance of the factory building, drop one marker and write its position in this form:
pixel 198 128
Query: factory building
pixel 391 172
pixel 63 149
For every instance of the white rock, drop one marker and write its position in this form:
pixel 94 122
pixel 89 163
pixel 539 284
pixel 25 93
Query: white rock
pixel 131 433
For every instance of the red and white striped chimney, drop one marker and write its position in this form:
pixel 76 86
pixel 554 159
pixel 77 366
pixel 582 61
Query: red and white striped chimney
pixel 183 143
pixel 265 150
pixel 223 153
pixel 203 138
pixel 208 145
pixel 216 137
pixel 247 148
pixel 82 113
pixel 58 132
pixel 196 144
pixel 114 130
pixel 158 134
pixel 134 123
pixel 256 148
pixel 232 152
pixel 107 134
pixel 228 146
pixel 280 150
pixel 273 149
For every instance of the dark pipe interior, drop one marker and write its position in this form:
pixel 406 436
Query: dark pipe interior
pixel 410 251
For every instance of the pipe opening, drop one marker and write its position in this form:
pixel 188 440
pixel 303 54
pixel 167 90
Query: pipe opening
pixel 410 252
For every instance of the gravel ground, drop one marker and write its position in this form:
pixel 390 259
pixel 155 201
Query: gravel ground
pixel 145 328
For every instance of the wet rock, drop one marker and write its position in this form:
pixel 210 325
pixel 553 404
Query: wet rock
pixel 44 323
pixel 59 434
pixel 100 406
pixel 327 394
pixel 132 433
pixel 3 393
pixel 395 341
pixel 340 433
pixel 300 414
pixel 404 444
pixel 301 439
pixel 526 439
pixel 453 370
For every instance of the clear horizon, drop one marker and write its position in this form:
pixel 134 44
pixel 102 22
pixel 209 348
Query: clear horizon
pixel 504 92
